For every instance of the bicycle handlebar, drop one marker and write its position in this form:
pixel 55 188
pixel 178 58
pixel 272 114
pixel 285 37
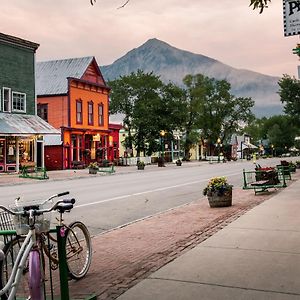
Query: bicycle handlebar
pixel 35 207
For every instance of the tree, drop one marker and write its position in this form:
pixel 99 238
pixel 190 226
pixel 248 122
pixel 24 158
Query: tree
pixel 281 132
pixel 259 4
pixel 290 95
pixel 149 106
pixel 212 112
pixel 256 4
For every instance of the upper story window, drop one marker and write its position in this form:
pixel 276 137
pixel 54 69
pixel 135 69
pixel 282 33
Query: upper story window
pixel 42 111
pixel 79 111
pixel 90 113
pixel 18 102
pixel 6 99
pixel 100 115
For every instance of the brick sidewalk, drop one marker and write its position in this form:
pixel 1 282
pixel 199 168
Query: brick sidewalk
pixel 125 256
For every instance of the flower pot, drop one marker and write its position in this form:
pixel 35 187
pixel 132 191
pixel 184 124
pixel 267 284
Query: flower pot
pixel 140 167
pixel 216 200
pixel 92 171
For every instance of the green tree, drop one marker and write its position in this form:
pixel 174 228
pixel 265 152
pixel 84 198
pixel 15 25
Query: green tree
pixel 290 96
pixel 149 106
pixel 214 110
pixel 281 132
pixel 259 4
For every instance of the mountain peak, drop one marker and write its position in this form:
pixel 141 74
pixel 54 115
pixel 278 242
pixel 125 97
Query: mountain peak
pixel 173 64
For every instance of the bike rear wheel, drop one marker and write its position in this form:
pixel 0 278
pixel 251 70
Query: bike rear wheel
pixel 78 250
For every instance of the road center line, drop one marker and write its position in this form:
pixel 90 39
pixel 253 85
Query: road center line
pixel 146 192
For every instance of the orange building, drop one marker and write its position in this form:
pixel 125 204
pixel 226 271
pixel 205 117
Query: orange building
pixel 72 95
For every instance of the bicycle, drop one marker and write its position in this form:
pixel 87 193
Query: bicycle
pixel 13 265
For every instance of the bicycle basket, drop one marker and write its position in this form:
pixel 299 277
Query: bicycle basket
pixel 42 222
pixel 6 221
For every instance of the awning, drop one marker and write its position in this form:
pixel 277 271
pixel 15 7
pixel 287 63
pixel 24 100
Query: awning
pixel 23 125
pixel 248 146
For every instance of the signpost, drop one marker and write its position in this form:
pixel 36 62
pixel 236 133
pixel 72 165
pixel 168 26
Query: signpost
pixel 291 17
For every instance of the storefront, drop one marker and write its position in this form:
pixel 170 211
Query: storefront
pixel 21 141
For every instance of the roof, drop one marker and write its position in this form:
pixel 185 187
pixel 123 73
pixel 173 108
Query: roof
pixel 52 76
pixel 19 125
pixel 9 39
pixel 52 140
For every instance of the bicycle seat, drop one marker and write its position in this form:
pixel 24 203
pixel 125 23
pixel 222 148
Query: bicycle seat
pixel 63 207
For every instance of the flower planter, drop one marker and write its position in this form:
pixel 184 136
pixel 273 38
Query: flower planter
pixel 141 167
pixel 93 171
pixel 216 200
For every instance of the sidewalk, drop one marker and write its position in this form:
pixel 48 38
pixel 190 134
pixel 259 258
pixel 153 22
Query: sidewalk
pixel 256 256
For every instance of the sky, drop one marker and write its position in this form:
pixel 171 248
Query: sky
pixel 227 30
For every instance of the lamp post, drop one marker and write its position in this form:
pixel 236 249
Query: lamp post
pixel 219 145
pixel 162 134
pixel 272 146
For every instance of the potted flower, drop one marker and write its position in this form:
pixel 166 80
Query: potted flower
pixel 93 168
pixel 218 192
pixel 140 165
pixel 178 162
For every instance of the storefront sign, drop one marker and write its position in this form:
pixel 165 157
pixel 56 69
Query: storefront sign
pixel 96 138
pixel 291 17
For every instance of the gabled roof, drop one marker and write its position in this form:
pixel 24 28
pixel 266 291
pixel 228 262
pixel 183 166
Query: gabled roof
pixel 52 76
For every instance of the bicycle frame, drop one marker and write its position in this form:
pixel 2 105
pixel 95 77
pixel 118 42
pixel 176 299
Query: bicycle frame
pixel 30 248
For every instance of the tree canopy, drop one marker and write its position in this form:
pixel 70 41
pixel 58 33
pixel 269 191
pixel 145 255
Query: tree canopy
pixel 212 111
pixel 290 96
pixel 256 4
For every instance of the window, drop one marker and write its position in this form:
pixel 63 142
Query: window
pixel 79 111
pixel 18 102
pixel 90 113
pixel 42 111
pixel 6 99
pixel 100 115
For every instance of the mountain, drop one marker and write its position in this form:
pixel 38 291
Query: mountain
pixel 172 64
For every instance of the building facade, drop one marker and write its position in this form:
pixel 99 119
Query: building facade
pixel 21 130
pixel 73 96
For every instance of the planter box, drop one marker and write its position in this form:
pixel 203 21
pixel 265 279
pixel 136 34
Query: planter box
pixel 220 201
pixel 93 171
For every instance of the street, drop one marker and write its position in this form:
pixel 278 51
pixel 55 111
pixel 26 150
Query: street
pixel 106 202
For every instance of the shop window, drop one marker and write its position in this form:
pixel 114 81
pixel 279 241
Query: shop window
pixel 79 111
pixel 2 151
pixel 6 99
pixel 18 102
pixel 11 151
pixel 90 113
pixel 100 115
pixel 42 111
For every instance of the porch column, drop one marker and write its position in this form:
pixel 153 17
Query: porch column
pixel 17 155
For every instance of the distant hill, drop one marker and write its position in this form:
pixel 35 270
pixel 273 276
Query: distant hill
pixel 173 64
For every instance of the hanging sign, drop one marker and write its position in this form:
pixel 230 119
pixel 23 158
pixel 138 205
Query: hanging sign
pixel 291 17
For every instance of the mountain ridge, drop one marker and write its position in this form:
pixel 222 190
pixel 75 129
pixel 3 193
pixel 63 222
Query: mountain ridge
pixel 172 64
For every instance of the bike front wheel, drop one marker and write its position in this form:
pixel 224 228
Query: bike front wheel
pixel 78 250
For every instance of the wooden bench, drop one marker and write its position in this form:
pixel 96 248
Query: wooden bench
pixel 33 172
pixel 215 159
pixel 109 169
pixel 258 180
pixel 76 164
pixel 286 171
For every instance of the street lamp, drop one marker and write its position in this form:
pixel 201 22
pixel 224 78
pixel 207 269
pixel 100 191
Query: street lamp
pixel 219 145
pixel 161 159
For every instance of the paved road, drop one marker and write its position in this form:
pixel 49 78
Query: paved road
pixel 106 202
